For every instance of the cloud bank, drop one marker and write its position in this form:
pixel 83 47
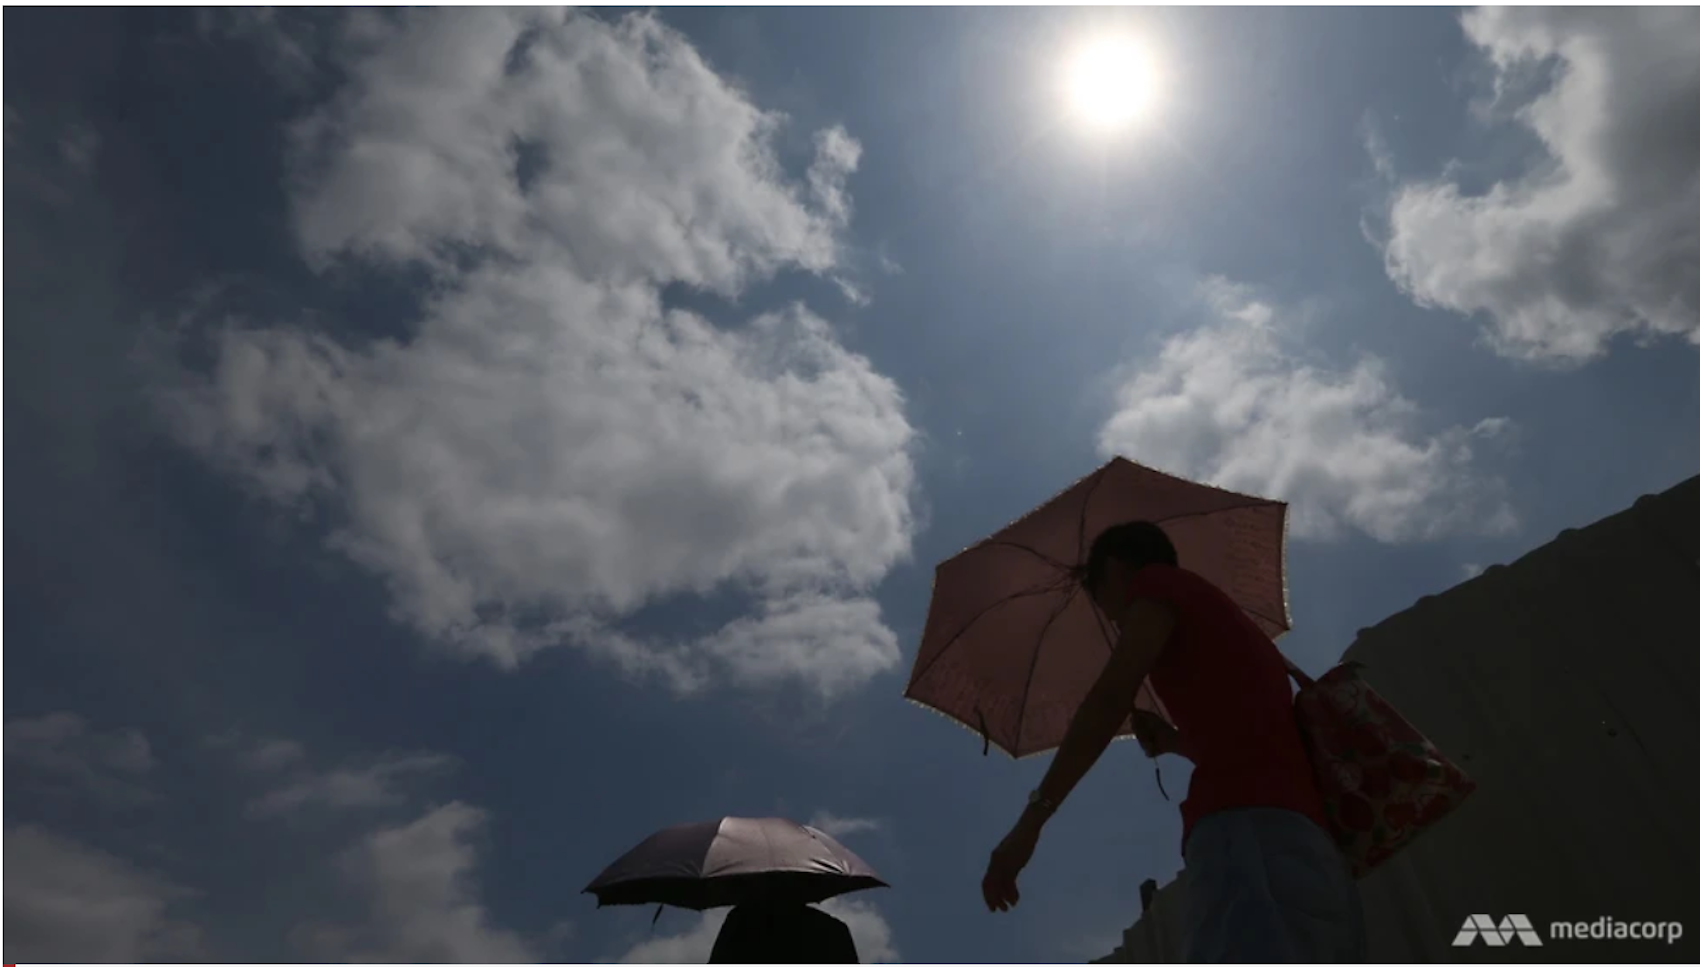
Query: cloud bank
pixel 421 901
pixel 62 751
pixel 1597 238
pixel 69 902
pixel 551 449
pixel 1229 403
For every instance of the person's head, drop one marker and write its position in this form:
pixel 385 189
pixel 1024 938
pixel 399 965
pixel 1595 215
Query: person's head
pixel 1116 554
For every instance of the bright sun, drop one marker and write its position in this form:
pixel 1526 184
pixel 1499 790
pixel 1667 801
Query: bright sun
pixel 1110 84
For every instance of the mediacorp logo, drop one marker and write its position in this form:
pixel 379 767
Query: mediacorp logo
pixel 1516 928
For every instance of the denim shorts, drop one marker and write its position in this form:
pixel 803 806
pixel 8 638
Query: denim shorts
pixel 1269 886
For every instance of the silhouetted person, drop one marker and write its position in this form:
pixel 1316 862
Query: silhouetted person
pixel 783 933
pixel 1265 882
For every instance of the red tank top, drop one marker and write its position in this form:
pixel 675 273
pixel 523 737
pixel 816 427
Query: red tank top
pixel 1225 685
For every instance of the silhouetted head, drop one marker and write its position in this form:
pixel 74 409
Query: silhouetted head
pixel 1116 554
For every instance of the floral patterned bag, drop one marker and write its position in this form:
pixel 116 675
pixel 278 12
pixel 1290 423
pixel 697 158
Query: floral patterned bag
pixel 1382 782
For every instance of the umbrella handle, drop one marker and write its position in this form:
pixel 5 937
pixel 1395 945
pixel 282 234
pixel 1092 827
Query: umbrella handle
pixel 652 920
pixel 985 733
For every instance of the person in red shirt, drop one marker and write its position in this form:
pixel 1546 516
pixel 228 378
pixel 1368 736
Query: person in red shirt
pixel 1264 881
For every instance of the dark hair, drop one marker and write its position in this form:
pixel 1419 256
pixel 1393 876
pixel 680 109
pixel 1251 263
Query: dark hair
pixel 1137 542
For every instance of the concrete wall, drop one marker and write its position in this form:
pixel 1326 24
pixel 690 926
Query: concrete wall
pixel 1568 684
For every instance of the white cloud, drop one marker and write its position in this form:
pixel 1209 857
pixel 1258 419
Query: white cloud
pixel 867 927
pixel 837 155
pixel 1375 145
pixel 1597 239
pixel 549 450
pixel 50 162
pixel 656 170
pixel 274 754
pixel 67 902
pixel 283 45
pixel 1228 404
pixel 63 751
pixel 693 945
pixel 370 785
pixel 839 827
pixel 560 932
pixel 830 643
pixel 421 901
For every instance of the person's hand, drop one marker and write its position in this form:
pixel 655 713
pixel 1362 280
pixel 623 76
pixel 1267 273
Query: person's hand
pixel 1008 860
pixel 1156 737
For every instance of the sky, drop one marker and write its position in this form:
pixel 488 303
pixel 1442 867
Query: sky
pixel 449 446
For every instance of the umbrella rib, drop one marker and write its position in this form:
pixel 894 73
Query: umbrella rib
pixel 1110 643
pixel 767 844
pixel 962 723
pixel 921 672
pixel 1258 614
pixel 1041 555
pixel 1104 626
pixel 1249 502
pixel 1085 505
pixel 1033 666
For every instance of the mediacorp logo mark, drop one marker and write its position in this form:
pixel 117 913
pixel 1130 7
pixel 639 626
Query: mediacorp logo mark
pixel 1515 927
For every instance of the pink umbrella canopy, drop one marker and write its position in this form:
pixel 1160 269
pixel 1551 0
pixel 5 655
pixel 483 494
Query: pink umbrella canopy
pixel 1013 643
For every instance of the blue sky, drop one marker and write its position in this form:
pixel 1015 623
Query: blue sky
pixel 448 448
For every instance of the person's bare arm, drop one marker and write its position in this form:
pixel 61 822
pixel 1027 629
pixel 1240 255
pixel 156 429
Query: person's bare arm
pixel 1145 632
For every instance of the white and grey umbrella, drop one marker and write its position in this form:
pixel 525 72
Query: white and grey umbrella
pixel 733 861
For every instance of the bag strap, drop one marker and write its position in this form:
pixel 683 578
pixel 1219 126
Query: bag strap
pixel 1297 675
pixel 1304 680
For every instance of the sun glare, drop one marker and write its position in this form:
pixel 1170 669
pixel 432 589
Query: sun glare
pixel 1110 84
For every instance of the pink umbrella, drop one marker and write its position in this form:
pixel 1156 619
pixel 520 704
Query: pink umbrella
pixel 1013 642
